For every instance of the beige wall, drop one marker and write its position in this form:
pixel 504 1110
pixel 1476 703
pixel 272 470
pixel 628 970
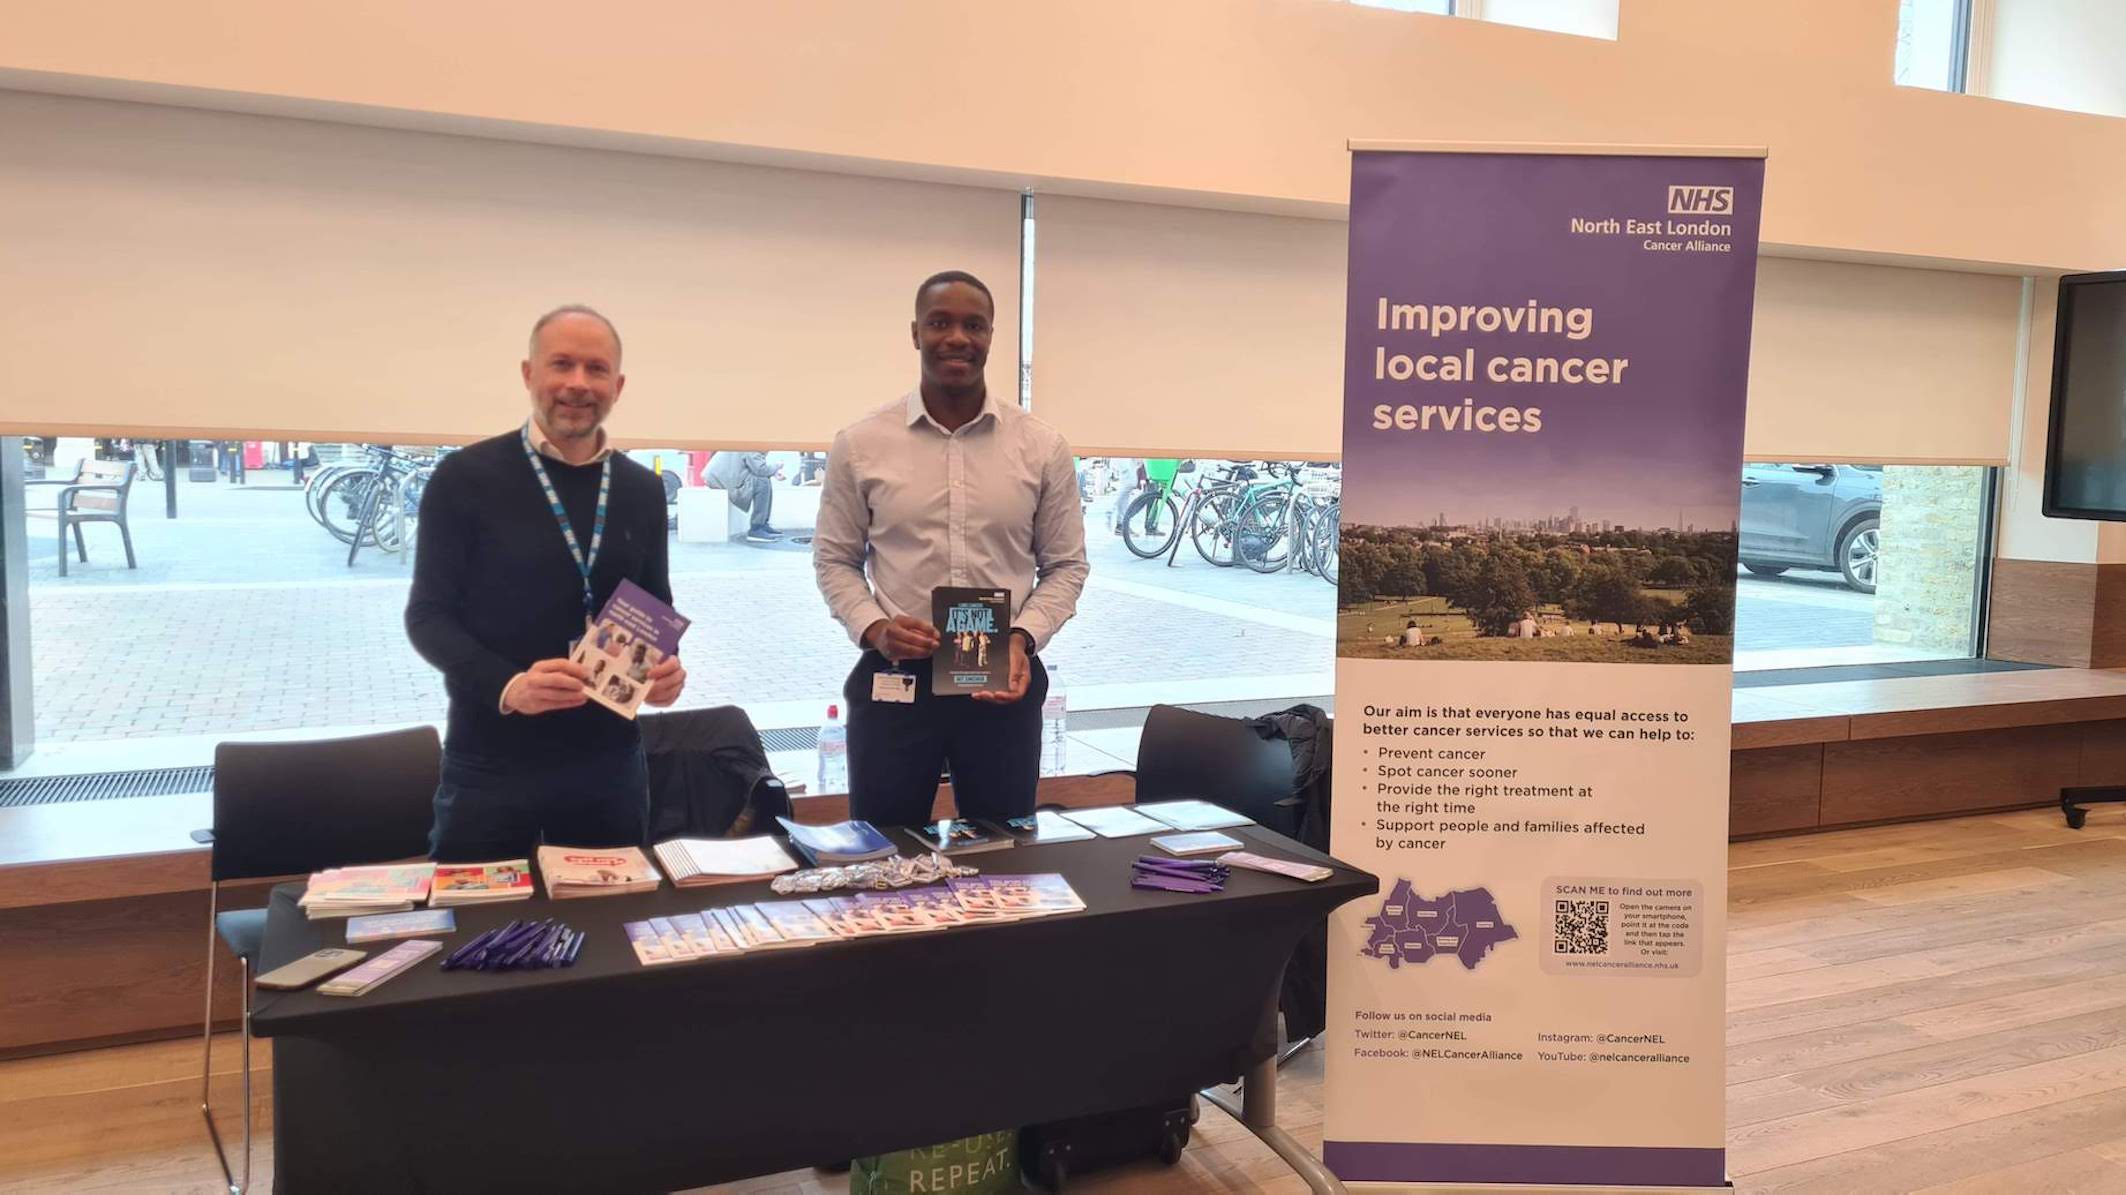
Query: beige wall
pixel 1243 103
pixel 200 272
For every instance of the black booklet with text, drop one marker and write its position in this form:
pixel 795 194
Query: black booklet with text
pixel 973 655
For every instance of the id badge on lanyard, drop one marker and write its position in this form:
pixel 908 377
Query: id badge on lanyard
pixel 893 684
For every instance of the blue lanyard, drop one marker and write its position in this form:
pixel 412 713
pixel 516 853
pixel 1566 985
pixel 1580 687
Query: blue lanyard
pixel 584 563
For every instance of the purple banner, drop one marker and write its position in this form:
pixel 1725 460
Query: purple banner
pixel 1606 335
pixel 1546 361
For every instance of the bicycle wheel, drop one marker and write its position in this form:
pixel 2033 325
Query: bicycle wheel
pixel 1211 528
pixel 1263 541
pixel 314 489
pixel 1327 528
pixel 388 524
pixel 1150 524
pixel 345 498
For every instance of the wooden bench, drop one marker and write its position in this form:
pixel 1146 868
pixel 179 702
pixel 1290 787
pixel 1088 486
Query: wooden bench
pixel 1815 757
pixel 96 494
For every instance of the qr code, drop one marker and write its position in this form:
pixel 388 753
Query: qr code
pixel 1583 927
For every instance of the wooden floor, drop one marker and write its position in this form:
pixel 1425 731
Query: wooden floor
pixel 1937 1007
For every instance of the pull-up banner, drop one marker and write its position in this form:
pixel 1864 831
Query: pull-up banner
pixel 1546 354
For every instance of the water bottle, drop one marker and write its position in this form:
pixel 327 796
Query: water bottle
pixel 1055 728
pixel 833 753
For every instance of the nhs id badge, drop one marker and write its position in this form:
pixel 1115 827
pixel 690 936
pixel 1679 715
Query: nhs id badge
pixel 894 686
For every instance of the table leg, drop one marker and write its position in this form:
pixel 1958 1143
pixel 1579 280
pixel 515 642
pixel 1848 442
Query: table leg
pixel 1258 1114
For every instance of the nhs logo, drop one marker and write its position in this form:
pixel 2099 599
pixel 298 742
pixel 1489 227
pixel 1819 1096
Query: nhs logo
pixel 1701 201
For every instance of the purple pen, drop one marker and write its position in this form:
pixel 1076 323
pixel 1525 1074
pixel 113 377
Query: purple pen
pixel 459 956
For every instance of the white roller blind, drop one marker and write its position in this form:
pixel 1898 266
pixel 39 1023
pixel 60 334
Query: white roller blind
pixel 187 272
pixel 1875 364
pixel 1166 330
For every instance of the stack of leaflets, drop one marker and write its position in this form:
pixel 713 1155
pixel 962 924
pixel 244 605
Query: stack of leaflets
pixel 770 925
pixel 1042 828
pixel 631 635
pixel 1203 842
pixel 959 836
pixel 481 883
pixel 596 871
pixel 1009 897
pixel 1312 873
pixel 1115 821
pixel 379 926
pixel 699 862
pixel 840 843
pixel 358 891
pixel 778 925
pixel 1194 815
pixel 367 976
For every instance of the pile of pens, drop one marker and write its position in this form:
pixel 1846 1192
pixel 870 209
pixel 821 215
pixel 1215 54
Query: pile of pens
pixel 519 946
pixel 1178 875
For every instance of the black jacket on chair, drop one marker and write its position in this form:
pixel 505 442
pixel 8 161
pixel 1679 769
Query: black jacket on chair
pixel 709 775
pixel 1304 998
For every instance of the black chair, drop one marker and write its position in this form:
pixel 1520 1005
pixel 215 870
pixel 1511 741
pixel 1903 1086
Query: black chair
pixel 1221 760
pixel 285 809
pixel 1229 763
pixel 95 494
pixel 709 775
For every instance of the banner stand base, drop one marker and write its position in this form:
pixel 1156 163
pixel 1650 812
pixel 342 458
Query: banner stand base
pixel 1257 1113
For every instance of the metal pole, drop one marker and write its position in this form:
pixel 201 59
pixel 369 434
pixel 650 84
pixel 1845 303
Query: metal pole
pixel 18 725
pixel 1258 1114
pixel 169 479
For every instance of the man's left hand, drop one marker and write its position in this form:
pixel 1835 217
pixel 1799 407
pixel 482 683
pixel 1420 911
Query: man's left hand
pixel 1021 674
pixel 667 681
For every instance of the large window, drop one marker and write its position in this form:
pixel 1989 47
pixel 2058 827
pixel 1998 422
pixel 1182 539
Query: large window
pixel 248 613
pixel 1586 18
pixel 1933 43
pixel 1860 564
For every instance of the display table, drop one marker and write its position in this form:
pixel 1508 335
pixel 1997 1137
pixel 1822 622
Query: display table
pixel 613 1076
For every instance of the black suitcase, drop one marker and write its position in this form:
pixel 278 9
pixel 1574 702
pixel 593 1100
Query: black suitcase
pixel 1049 1154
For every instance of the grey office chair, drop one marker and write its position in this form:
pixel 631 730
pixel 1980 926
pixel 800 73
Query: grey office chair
pixel 285 809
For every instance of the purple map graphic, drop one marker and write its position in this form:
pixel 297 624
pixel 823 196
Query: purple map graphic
pixel 1409 929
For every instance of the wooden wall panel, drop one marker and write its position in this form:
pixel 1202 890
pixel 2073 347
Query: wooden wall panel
pixel 2107 635
pixel 93 971
pixel 2103 753
pixel 2042 612
pixel 1928 775
pixel 1775 790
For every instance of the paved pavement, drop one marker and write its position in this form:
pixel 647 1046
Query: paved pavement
pixel 244 616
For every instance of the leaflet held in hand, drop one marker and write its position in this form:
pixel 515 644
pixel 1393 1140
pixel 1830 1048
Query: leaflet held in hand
pixel 631 635
pixel 972 655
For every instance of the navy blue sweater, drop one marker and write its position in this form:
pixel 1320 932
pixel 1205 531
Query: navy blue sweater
pixel 495 589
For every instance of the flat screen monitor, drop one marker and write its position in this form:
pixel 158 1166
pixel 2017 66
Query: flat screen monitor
pixel 2085 461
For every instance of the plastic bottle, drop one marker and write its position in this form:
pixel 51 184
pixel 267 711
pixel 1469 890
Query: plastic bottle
pixel 1055 727
pixel 833 749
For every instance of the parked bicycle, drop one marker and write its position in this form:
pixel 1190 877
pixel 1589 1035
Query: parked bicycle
pixel 373 504
pixel 1265 515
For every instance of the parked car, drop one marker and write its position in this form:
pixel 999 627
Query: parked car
pixel 1813 517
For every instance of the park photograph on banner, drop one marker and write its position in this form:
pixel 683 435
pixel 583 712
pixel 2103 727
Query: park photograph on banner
pixel 1546 359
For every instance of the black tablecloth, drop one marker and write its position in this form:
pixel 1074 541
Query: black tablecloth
pixel 613 1076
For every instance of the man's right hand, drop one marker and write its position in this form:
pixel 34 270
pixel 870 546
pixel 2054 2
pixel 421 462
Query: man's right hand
pixel 902 638
pixel 547 686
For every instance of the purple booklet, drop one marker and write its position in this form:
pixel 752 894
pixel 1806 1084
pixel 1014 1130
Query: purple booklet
pixel 629 637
